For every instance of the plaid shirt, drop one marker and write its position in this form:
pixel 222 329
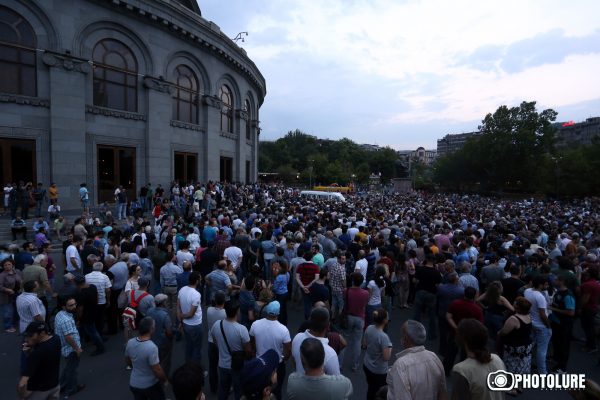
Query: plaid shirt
pixel 64 324
pixel 337 277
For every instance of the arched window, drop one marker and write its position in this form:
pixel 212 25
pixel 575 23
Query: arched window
pixel 248 108
pixel 17 54
pixel 226 109
pixel 115 76
pixel 185 106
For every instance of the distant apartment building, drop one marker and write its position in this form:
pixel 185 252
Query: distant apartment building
pixel 576 133
pixel 453 142
pixel 421 155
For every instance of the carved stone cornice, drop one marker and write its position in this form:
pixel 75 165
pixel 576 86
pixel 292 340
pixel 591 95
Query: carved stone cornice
pixel 25 100
pixel 186 125
pixel 67 62
pixel 243 114
pixel 255 124
pixel 229 135
pixel 109 112
pixel 159 85
pixel 212 101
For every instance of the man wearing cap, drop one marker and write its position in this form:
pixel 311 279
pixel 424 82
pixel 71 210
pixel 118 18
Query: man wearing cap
pixel 40 378
pixel 66 330
pixel 163 331
pixel 269 334
pixel 259 375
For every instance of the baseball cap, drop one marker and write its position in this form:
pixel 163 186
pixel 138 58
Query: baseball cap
pixel 256 374
pixel 35 327
pixel 273 308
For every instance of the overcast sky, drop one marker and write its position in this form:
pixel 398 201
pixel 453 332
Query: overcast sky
pixel 405 73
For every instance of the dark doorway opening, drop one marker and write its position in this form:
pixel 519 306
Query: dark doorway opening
pixel 226 169
pixel 18 161
pixel 116 166
pixel 186 167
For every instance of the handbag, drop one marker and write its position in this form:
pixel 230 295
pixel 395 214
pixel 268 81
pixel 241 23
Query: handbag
pixel 237 357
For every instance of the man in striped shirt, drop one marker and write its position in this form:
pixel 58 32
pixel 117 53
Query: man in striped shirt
pixel 103 286
pixel 29 306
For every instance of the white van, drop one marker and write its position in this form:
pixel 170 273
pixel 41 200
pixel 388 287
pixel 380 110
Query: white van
pixel 317 195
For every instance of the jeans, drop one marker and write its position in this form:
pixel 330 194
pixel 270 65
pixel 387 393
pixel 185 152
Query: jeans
pixel 337 303
pixel 68 377
pixel 280 380
pixel 228 378
pixel 213 367
pixel 7 315
pixel 425 299
pixel 154 392
pixel 561 342
pixel 143 203
pixel 355 331
pixel 38 208
pixel 193 343
pixel 587 324
pixel 541 337
pixel 374 382
pixel 90 329
pixel 121 210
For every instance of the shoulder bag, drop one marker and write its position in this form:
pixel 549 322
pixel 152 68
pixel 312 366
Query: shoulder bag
pixel 237 357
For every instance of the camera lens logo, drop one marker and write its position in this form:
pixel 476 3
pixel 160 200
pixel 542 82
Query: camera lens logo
pixel 501 381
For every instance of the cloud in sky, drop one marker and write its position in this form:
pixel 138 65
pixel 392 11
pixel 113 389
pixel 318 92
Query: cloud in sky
pixel 405 73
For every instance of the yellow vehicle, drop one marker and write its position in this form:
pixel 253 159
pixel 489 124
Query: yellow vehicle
pixel 334 187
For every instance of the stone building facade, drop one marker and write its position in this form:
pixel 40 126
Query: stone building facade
pixel 123 92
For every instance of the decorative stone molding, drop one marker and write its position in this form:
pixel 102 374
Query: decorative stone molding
pixel 158 84
pixel 229 135
pixel 67 62
pixel 25 100
pixel 255 124
pixel 243 114
pixel 212 101
pixel 109 112
pixel 249 142
pixel 186 125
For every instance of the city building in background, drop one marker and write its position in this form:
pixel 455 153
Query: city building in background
pixel 577 133
pixel 123 92
pixel 452 142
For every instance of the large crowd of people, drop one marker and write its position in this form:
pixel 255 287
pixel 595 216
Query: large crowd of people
pixel 493 284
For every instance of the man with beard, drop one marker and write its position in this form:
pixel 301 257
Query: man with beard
pixel 66 330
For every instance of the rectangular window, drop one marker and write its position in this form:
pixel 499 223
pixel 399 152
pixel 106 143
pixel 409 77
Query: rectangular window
pixel 186 167
pixel 116 166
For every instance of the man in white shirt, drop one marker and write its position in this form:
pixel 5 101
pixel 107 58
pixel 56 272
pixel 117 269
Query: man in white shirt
pixel 319 323
pixel 72 256
pixel 101 281
pixel 184 254
pixel 189 313
pixel 234 254
pixel 268 333
pixel 361 265
pixel 539 320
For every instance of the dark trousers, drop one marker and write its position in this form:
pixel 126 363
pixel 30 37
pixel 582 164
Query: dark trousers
pixel 280 379
pixel 22 230
pixel 113 316
pixel 307 301
pixel 213 364
pixel 445 335
pixel 282 299
pixel 164 355
pixel 587 324
pixel 452 350
pixel 561 342
pixel 154 392
pixel 99 318
pixel 90 329
pixel 227 379
pixel 68 377
pixel 374 382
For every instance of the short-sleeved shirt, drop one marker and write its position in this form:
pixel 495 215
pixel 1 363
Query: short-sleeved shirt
pixel 214 314
pixel 43 365
pixel 64 324
pixel 120 273
pixel 319 292
pixel 270 334
pixel 428 279
pixel 101 281
pixel 143 355
pixel 357 300
pixel 538 302
pixel 331 363
pixel 307 272
pixel 323 387
pixel 28 306
pixel 375 296
pixel 219 280
pixel 233 253
pixel 72 252
pixel 237 336
pixel 377 341
pixel 189 297
pixel 162 322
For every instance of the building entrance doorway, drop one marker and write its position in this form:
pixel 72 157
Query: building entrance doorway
pixel 226 172
pixel 186 167
pixel 18 161
pixel 116 166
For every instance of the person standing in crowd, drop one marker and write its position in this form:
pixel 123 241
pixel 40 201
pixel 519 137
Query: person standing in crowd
pixel 378 351
pixel 516 340
pixel 189 312
pixel 141 355
pixel 231 339
pixel 88 311
pixel 104 293
pixel 187 382
pixel 73 259
pixel 214 313
pixel 495 306
pixel 539 319
pixel 375 287
pixel 280 289
pixel 561 323
pixel 66 330
pixel 168 283
pixel 313 382
pixel 37 272
pixel 356 300
pixel 11 283
pixel 219 280
pixel 84 197
pixel 447 293
pixel 29 307
pixel 417 373
pixel 307 274
pixel 270 334
pixel 428 278
pixel 119 272
pixel 337 282
pixel 590 295
pixel 163 331
pixel 40 377
pixel 471 375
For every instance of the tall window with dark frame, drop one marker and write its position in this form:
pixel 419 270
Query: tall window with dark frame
pixel 226 109
pixel 249 120
pixel 115 76
pixel 185 103
pixel 17 54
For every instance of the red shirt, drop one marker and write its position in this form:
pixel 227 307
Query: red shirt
pixel 307 272
pixel 593 288
pixel 357 301
pixel 461 309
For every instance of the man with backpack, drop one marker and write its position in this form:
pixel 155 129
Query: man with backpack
pixel 139 302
